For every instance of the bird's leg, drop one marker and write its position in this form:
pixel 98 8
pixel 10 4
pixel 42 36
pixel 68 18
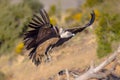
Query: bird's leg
pixel 47 53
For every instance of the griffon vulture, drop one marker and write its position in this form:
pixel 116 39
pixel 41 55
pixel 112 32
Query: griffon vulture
pixel 44 36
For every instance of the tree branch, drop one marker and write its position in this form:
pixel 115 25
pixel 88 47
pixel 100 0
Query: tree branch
pixel 92 72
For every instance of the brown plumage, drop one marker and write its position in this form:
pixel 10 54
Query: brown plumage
pixel 41 49
pixel 44 36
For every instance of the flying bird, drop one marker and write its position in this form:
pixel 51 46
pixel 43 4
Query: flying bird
pixel 44 36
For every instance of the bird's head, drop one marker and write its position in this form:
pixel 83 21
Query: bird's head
pixel 65 34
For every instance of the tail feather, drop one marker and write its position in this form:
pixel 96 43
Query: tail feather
pixel 35 57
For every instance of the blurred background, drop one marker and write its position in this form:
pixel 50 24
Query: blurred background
pixel 94 43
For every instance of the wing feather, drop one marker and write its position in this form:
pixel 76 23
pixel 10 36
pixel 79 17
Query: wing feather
pixel 79 29
pixel 33 26
pixel 44 16
pixel 41 31
pixel 47 17
pixel 39 19
pixel 36 21
pixel 30 34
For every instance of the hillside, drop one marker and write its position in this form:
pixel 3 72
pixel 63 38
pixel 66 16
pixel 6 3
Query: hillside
pixel 77 53
pixel 94 44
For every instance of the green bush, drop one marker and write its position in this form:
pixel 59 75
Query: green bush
pixel 13 19
pixel 107 32
pixel 35 5
pixel 2 76
pixel 91 3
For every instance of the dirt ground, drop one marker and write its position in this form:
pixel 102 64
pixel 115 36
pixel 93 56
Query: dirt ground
pixel 79 52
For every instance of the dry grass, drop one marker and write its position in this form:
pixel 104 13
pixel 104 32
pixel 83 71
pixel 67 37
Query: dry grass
pixel 77 53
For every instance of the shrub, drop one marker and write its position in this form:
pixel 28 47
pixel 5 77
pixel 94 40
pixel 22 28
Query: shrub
pixel 77 17
pixel 97 14
pixel 13 19
pixel 107 32
pixel 35 5
pixel 52 10
pixel 2 76
pixel 91 3
pixel 53 20
pixel 19 48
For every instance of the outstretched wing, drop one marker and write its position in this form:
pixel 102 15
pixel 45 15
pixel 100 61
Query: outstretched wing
pixel 76 30
pixel 79 29
pixel 40 20
pixel 41 31
pixel 41 26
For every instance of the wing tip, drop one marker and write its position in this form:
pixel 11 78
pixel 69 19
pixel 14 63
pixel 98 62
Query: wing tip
pixel 42 9
pixel 92 13
pixel 92 17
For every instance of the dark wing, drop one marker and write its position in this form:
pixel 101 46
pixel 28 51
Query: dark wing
pixel 41 31
pixel 76 30
pixel 39 20
pixel 38 24
pixel 79 29
pixel 61 41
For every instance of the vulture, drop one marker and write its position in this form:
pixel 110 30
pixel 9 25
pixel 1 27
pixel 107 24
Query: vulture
pixel 43 36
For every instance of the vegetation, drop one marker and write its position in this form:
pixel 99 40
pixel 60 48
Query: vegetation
pixel 19 47
pixel 107 29
pixel 2 76
pixel 107 32
pixel 93 3
pixel 34 5
pixel 52 10
pixel 13 19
